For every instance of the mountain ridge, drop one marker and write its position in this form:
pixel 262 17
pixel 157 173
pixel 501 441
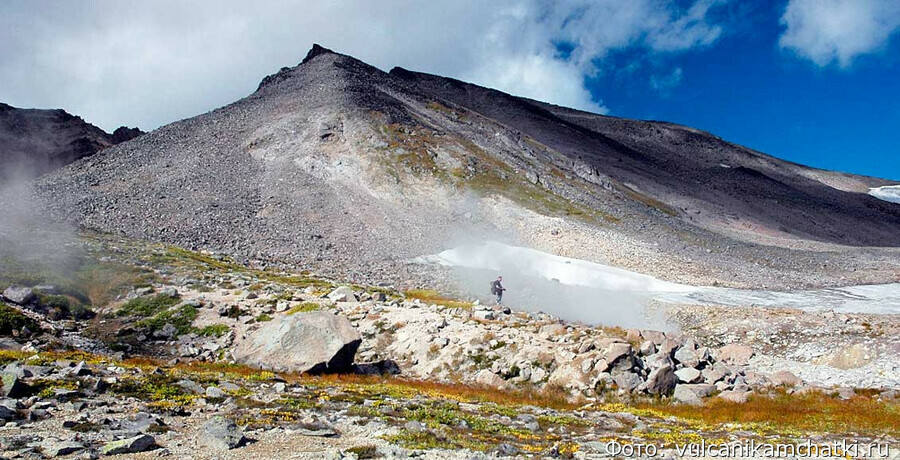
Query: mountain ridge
pixel 36 141
pixel 336 164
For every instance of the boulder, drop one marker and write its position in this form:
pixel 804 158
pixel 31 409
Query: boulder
pixel 684 395
pixel 734 354
pixel 785 378
pixel 9 410
pixel 648 348
pixel 660 381
pixel 19 295
pixel 133 445
pixel 656 337
pixel 342 294
pixel 628 381
pixel 657 360
pixel 735 396
pixel 313 342
pixel 55 449
pixel 687 356
pixel 12 386
pixel 688 375
pixel 220 433
pixel 489 379
pixel 716 373
pixel 569 376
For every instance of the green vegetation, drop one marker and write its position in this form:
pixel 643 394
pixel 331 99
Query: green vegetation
pixel 304 307
pixel 13 322
pixel 147 306
pixel 262 318
pixel 182 318
pixel 214 330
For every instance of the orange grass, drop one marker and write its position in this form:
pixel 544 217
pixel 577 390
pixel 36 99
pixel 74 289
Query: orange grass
pixel 810 412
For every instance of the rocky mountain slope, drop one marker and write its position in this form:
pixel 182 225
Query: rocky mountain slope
pixel 339 166
pixel 34 141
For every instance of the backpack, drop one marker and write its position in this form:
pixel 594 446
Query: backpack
pixel 493 288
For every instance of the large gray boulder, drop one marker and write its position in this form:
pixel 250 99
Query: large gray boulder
pixel 313 342
pixel 660 381
pixel 19 294
pixel 220 433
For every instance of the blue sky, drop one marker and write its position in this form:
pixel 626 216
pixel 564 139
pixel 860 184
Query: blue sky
pixel 747 89
pixel 813 81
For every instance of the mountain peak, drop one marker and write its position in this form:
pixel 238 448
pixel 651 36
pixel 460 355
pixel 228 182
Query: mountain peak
pixel 315 51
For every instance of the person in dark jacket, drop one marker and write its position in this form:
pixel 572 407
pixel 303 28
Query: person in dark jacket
pixel 497 289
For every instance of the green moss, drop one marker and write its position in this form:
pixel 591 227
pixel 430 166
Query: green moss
pixel 304 307
pixel 364 452
pixel 12 321
pixel 262 318
pixel 182 318
pixel 147 306
pixel 214 330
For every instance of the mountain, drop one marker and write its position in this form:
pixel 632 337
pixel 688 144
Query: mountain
pixel 36 141
pixel 339 166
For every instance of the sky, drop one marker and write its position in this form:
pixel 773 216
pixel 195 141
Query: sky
pixel 811 81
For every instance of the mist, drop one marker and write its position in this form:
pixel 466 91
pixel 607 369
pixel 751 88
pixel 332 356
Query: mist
pixel 31 245
pixel 572 289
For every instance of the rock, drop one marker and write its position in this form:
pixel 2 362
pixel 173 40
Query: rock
pixel 19 295
pixel 628 381
pixel 58 449
pixel 214 392
pixel 852 357
pixel 656 337
pixel 785 378
pixel 538 374
pixel 617 351
pixel 845 393
pixel 687 357
pixel 737 355
pixel 220 433
pixel 657 360
pixel 735 396
pixel 342 294
pixel 716 373
pixel 688 375
pixel 166 332
pixel 140 443
pixel 660 381
pixel 570 376
pixel 684 395
pixel 487 378
pixel 9 410
pixel 313 342
pixel 12 386
pixel 486 315
pixel 414 426
pixel 648 348
pixel 191 386
pixel 585 347
pixel 668 347
pixel 633 335
pixel 168 292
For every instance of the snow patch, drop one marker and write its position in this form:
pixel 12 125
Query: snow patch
pixel 890 193
pixel 579 290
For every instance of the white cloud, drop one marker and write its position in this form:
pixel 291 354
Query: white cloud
pixel 666 83
pixel 150 63
pixel 827 31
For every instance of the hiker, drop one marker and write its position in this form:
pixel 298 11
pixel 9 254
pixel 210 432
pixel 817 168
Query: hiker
pixel 497 289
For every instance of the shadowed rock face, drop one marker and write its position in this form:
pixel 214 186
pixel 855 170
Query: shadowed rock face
pixel 33 142
pixel 338 166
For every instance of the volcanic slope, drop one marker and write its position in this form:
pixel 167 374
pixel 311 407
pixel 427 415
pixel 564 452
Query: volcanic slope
pixel 349 170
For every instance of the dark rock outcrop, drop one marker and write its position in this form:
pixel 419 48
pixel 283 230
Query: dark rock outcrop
pixel 33 141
